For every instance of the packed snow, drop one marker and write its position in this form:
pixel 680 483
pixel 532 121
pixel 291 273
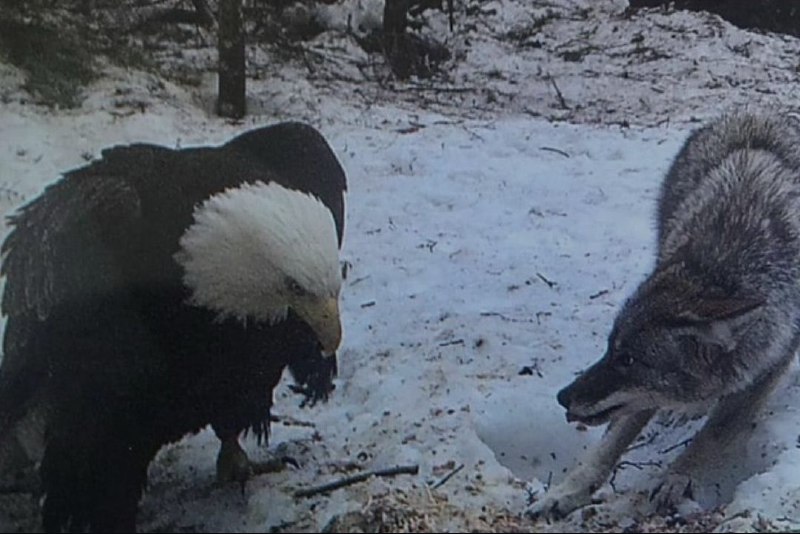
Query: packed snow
pixel 492 232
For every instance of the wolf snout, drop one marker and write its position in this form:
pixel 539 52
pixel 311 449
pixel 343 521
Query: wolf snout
pixel 572 418
pixel 564 398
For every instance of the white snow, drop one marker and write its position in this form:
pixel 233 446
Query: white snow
pixel 490 231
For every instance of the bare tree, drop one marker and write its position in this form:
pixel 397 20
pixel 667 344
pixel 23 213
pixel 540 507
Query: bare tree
pixel 231 98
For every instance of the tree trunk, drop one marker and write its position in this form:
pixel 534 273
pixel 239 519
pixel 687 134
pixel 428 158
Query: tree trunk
pixel 204 14
pixel 408 54
pixel 231 100
pixel 395 16
pixel 395 41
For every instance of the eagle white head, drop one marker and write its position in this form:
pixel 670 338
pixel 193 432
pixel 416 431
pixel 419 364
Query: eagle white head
pixel 257 250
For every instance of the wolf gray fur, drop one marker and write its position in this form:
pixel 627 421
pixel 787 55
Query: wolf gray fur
pixel 717 322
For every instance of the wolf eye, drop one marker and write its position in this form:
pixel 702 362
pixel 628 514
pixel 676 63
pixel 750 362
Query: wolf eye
pixel 295 288
pixel 689 345
pixel 627 361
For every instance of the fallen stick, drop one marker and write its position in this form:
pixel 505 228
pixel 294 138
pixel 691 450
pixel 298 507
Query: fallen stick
pixel 556 150
pixel 558 94
pixel 676 446
pixel 598 294
pixel 290 421
pixel 447 477
pixel 549 283
pixel 347 481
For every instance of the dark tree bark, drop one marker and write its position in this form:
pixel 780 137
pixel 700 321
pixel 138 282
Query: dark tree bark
pixel 395 17
pixel 408 54
pixel 204 14
pixel 394 28
pixel 231 99
pixel 782 16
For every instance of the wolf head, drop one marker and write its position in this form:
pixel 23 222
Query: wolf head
pixel 673 344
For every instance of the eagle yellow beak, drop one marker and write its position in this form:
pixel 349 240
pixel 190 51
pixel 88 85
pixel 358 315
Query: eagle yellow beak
pixel 323 317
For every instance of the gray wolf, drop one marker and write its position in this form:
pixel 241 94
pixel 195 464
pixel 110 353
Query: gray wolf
pixel 717 322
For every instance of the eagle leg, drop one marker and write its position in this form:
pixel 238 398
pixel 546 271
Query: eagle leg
pixel 233 465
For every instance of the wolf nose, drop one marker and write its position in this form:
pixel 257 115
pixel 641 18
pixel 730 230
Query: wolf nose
pixel 563 398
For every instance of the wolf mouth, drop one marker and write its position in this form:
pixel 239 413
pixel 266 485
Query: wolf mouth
pixel 594 419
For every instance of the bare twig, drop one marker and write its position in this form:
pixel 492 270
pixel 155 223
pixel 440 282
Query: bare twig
pixel 643 443
pixel 676 446
pixel 558 94
pixel 529 370
pixel 638 465
pixel 549 283
pixel 435 88
pixel 505 317
pixel 430 244
pixel 541 314
pixel 453 342
pixel 625 463
pixel 361 477
pixel 290 421
pixel 598 294
pixel 359 280
pixel 556 150
pixel 447 477
pixel 368 304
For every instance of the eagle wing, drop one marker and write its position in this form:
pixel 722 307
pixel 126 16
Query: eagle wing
pixel 58 247
pixel 58 251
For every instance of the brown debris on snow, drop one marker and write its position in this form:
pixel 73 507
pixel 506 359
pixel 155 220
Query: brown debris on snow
pixel 422 511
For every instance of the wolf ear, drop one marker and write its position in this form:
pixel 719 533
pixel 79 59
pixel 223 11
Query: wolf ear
pixel 719 321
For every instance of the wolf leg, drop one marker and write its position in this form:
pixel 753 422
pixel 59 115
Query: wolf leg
pixel 731 417
pixel 577 488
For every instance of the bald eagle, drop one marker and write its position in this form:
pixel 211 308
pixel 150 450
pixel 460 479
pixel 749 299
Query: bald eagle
pixel 156 291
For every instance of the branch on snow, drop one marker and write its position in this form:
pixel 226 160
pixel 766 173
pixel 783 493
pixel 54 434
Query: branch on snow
pixel 361 477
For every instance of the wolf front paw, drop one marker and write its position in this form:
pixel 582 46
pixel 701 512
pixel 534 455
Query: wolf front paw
pixel 675 494
pixel 559 502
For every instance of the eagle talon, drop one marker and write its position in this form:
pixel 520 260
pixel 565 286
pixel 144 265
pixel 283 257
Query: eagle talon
pixel 233 465
pixel 273 465
pixel 288 460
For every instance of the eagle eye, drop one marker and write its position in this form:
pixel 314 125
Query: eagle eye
pixel 296 289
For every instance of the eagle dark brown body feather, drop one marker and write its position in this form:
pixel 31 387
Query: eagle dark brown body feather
pixel 100 330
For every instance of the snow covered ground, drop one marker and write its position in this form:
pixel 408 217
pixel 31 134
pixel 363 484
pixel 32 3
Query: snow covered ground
pixel 493 232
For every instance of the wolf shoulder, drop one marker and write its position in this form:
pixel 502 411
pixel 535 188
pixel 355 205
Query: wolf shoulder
pixel 765 136
pixel 763 144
